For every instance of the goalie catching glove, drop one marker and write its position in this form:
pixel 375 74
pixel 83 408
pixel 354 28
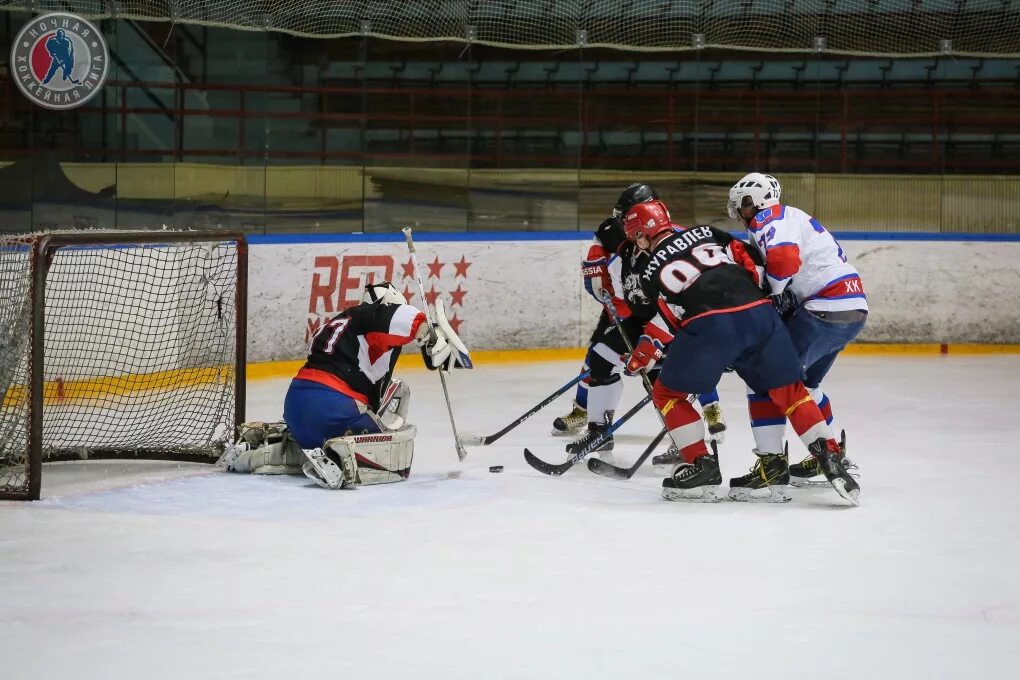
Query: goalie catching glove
pixel 441 347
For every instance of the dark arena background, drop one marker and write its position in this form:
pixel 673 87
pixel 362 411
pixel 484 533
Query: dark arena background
pixel 484 116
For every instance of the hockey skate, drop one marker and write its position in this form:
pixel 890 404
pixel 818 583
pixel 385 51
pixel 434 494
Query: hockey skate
pixel 698 481
pixel 801 473
pixel 595 430
pixel 830 462
pixel 767 481
pixel 714 421
pixel 671 457
pixel 572 423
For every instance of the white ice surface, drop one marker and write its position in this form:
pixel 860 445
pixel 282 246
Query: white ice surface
pixel 150 570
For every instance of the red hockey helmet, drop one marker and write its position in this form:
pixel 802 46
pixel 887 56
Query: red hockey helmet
pixel 648 219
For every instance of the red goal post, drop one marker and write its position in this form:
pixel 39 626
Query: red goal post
pixel 119 344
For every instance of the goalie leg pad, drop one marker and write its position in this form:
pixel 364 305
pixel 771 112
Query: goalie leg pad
pixel 395 404
pixel 380 458
pixel 263 449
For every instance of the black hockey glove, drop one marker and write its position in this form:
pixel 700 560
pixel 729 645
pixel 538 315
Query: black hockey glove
pixel 785 303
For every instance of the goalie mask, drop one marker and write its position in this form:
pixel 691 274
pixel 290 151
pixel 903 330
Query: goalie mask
pixel 382 293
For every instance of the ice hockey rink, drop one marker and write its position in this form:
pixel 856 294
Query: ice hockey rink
pixel 155 570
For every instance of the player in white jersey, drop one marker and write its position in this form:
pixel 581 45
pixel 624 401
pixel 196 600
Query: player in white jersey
pixel 815 289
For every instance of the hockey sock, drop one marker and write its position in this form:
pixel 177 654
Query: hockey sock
pixel 803 413
pixel 685 426
pixel 602 398
pixel 768 423
pixel 708 398
pixel 822 400
pixel 581 395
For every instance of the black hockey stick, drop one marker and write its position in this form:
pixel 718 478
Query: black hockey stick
pixel 601 467
pixel 607 300
pixel 557 470
pixel 478 440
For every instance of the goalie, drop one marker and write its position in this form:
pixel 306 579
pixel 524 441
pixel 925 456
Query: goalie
pixel 344 417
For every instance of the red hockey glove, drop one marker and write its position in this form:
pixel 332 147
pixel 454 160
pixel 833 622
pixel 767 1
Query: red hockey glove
pixel 646 352
pixel 596 277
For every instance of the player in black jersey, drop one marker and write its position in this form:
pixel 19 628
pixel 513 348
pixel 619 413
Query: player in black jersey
pixel 713 316
pixel 614 264
pixel 340 389
pixel 344 414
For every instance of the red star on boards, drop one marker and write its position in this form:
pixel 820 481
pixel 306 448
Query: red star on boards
pixel 455 323
pixel 408 268
pixel 461 267
pixel 408 294
pixel 435 268
pixel 457 296
pixel 431 294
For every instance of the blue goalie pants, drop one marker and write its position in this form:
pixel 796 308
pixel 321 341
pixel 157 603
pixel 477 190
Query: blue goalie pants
pixel 314 413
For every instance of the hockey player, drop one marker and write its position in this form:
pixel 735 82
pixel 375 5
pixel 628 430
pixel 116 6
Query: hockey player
pixel 816 290
pixel 713 315
pixel 614 265
pixel 344 418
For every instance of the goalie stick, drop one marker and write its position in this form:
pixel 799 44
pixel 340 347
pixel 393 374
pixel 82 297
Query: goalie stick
pixel 601 467
pixel 461 451
pixel 557 470
pixel 478 440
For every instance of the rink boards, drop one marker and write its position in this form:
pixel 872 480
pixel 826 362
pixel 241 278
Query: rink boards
pixel 523 290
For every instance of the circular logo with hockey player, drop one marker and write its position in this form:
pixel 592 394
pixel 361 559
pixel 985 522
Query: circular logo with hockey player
pixel 59 60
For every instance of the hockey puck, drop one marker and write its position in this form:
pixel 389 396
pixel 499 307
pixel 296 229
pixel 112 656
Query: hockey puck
pixel 495 468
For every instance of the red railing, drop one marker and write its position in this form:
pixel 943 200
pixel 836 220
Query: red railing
pixel 684 118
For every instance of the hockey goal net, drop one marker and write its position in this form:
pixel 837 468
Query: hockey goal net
pixel 118 345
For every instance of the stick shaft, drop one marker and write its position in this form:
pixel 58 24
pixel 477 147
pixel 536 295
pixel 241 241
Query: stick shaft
pixel 535 409
pixel 461 452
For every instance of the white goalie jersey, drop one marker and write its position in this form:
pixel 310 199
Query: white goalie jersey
pixel 800 254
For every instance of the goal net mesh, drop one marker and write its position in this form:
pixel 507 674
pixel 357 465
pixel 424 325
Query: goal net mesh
pixel 863 27
pixel 139 351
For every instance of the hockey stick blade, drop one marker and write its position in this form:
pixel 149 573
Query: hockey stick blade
pixel 547 468
pixel 557 470
pixel 468 439
pixel 604 469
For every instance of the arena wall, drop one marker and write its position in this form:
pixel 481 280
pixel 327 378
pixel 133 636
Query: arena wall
pixel 519 290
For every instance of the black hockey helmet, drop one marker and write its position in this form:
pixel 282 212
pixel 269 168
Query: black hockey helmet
pixel 631 196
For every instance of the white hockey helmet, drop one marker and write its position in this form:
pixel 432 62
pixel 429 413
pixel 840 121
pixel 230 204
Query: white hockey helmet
pixel 763 190
pixel 384 293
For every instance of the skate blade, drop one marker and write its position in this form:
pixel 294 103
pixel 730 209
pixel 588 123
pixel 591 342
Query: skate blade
pixel 851 496
pixel 565 433
pixel 819 480
pixel 802 482
pixel 702 494
pixel 770 494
